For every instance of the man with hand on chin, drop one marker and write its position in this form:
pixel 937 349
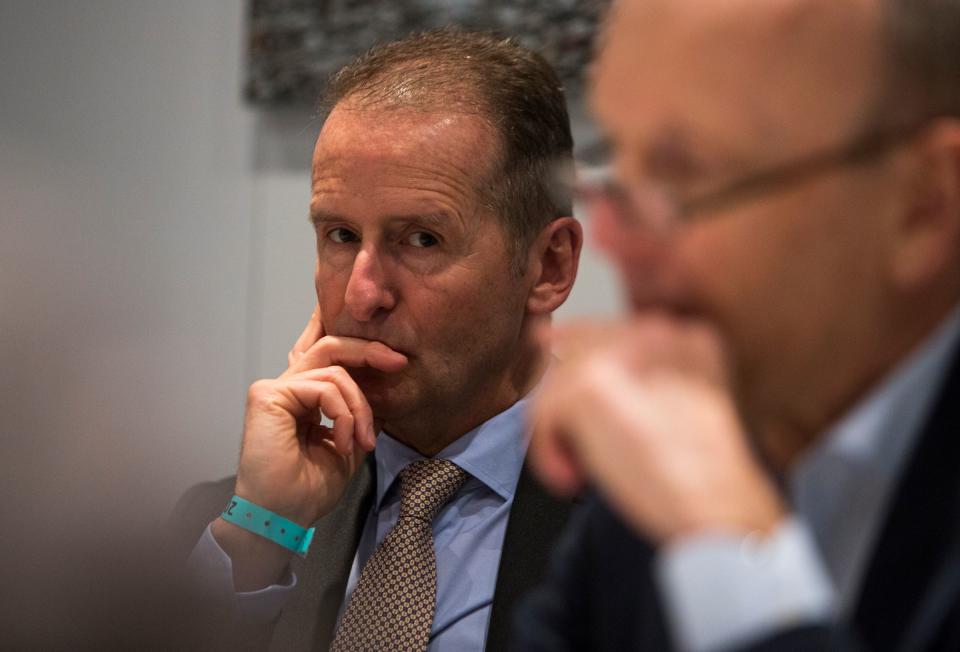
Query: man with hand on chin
pixel 774 434
pixel 442 246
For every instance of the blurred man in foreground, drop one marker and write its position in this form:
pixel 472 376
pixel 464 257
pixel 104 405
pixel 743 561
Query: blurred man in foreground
pixel 441 249
pixel 775 435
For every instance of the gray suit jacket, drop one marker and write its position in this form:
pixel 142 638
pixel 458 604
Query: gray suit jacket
pixel 308 620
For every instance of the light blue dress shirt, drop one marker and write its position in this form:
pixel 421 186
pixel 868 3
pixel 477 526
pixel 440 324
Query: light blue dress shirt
pixel 468 532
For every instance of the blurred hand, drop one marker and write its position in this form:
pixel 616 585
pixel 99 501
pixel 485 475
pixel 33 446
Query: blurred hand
pixel 644 410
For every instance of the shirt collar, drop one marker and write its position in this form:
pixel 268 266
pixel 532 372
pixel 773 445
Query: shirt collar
pixel 879 430
pixel 493 453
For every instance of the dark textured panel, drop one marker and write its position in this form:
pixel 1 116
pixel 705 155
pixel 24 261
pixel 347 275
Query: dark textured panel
pixel 294 45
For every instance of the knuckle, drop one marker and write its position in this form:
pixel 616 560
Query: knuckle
pixel 325 343
pixel 324 388
pixel 596 377
pixel 260 388
pixel 336 371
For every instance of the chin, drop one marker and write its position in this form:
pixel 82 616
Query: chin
pixel 391 407
pixel 388 394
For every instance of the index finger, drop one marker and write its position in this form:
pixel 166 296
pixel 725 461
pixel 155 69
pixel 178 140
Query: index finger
pixel 309 336
pixel 349 352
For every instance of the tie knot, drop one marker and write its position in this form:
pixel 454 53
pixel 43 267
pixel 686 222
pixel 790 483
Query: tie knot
pixel 427 485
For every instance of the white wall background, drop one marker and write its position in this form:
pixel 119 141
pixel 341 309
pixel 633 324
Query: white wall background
pixel 154 251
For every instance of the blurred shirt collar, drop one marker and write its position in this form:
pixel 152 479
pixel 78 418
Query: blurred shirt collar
pixel 842 486
pixel 878 430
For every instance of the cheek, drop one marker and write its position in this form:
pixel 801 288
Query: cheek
pixel 740 272
pixel 330 285
pixel 463 316
pixel 772 278
pixel 443 314
pixel 607 227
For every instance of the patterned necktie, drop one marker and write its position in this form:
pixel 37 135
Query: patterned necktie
pixel 395 598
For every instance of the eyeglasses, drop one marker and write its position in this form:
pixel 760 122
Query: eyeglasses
pixel 657 208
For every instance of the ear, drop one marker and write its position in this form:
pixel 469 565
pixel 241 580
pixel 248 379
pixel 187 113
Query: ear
pixel 552 265
pixel 928 232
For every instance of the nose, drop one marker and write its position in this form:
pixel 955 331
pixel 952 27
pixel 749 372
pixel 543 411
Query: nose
pixel 368 293
pixel 636 251
pixel 626 241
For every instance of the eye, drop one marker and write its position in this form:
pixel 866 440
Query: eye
pixel 422 239
pixel 341 235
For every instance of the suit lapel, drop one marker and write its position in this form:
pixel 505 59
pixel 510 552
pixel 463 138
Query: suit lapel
pixel 308 620
pixel 917 539
pixel 940 604
pixel 536 520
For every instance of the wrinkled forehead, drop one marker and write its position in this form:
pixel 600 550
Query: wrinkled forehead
pixel 406 134
pixel 408 155
pixel 743 73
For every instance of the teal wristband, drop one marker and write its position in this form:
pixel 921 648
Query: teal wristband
pixel 270 526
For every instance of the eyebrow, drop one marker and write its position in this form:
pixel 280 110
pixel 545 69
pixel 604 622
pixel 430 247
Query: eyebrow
pixel 436 220
pixel 670 156
pixel 318 217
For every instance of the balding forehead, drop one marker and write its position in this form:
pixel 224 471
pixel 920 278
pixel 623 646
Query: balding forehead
pixel 771 10
pixel 854 17
pixel 759 65
pixel 772 18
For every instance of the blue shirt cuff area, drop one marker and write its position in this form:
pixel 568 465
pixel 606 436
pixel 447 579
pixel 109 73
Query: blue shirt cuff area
pixel 723 590
pixel 212 571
